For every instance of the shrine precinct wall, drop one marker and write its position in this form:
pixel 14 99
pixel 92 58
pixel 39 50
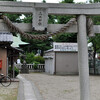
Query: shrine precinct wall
pixel 61 62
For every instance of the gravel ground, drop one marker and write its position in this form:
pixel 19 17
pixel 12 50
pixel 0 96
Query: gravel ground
pixel 54 87
pixel 10 92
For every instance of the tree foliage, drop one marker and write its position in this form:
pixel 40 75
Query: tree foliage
pixel 39 59
pixel 29 57
pixel 27 18
pixel 14 17
pixel 67 1
pixel 95 40
pixel 44 1
pixel 65 37
pixel 96 1
pixel 35 45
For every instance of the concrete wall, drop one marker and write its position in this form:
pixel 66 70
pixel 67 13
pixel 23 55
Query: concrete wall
pixel 3 57
pixel 49 53
pixel 61 63
pixel 49 65
pixel 49 62
pixel 66 63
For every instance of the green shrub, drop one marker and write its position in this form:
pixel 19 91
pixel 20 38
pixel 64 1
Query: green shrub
pixel 10 71
pixel 29 58
pixel 39 59
pixel 16 71
pixel 35 64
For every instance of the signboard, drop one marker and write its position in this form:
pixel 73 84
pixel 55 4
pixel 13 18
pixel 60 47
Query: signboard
pixel 65 46
pixel 40 19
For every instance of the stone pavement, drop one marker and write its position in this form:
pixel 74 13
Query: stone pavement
pixel 56 87
pixel 27 90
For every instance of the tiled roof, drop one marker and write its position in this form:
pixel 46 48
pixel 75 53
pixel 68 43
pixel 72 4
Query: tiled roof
pixel 6 37
pixel 16 49
pixel 17 42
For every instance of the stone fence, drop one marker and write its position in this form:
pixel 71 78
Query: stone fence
pixel 40 67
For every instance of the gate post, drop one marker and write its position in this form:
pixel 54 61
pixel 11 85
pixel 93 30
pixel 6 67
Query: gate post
pixel 83 58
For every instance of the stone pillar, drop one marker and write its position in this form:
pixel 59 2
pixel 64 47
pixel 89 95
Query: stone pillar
pixel 83 58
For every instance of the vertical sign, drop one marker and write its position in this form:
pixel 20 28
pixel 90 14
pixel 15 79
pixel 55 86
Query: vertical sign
pixel 40 19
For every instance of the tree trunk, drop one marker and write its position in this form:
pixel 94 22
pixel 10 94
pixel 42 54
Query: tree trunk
pixel 94 60
pixel 42 52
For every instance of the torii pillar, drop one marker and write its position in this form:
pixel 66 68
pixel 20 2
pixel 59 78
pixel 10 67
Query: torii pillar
pixel 83 58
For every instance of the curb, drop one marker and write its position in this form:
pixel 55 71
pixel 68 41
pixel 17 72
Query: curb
pixel 25 90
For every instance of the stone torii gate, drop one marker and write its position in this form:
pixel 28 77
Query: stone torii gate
pixel 41 11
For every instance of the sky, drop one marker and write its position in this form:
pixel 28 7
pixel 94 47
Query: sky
pixel 51 1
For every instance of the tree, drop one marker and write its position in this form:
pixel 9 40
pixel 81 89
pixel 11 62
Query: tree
pixel 64 19
pixel 52 19
pixel 36 45
pixel 44 1
pixel 67 1
pixel 65 37
pixel 96 1
pixel 27 18
pixel 14 17
pixel 95 40
pixel 96 48
pixel 30 58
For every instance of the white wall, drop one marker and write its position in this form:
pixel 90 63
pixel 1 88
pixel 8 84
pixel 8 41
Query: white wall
pixel 49 65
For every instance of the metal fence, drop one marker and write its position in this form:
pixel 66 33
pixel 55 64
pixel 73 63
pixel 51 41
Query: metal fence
pixel 97 67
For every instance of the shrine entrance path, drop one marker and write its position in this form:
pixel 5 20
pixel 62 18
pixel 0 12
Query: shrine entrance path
pixel 51 87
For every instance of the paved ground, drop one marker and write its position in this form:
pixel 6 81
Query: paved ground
pixel 10 92
pixel 28 93
pixel 60 87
